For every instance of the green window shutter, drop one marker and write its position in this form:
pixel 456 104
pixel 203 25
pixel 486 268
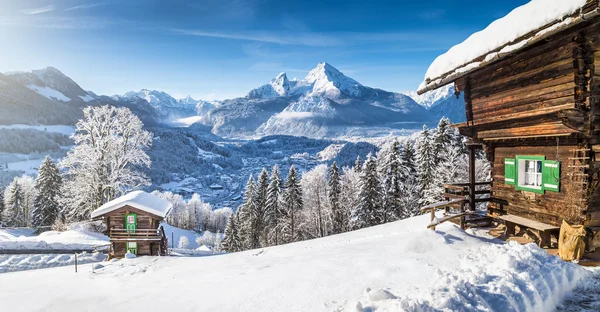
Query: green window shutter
pixel 551 175
pixel 510 170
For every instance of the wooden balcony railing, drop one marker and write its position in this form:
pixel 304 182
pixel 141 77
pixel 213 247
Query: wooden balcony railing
pixel 140 234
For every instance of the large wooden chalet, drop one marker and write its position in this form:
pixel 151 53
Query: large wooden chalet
pixel 533 104
pixel 133 224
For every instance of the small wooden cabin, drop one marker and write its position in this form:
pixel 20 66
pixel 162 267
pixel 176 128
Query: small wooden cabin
pixel 532 101
pixel 133 224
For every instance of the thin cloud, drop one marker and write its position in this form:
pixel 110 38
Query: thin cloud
pixel 84 6
pixel 47 8
pixel 306 39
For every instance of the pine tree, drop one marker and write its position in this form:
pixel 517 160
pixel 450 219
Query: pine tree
pixel 292 204
pixel 358 164
pixel 273 209
pixel 393 173
pixel 409 162
pixel 369 212
pixel 47 184
pixel 442 138
pixel 260 210
pixel 246 215
pixel 232 241
pixel 425 164
pixel 340 219
pixel 14 205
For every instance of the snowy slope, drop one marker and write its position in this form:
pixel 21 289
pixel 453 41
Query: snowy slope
pixel 52 84
pixel 399 266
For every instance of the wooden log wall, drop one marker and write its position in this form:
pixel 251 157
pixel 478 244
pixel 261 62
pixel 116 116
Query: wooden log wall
pixel 550 207
pixel 549 83
pixel 116 220
pixel 145 248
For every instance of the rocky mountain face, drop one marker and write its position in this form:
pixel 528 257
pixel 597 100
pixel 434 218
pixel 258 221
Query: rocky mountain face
pixel 324 103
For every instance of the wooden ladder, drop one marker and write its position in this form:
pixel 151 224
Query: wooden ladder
pixel 580 178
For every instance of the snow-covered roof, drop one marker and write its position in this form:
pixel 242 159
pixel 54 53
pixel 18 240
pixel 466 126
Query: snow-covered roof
pixel 139 200
pixel 521 27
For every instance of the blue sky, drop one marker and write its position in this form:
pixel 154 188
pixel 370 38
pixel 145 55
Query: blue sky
pixel 217 49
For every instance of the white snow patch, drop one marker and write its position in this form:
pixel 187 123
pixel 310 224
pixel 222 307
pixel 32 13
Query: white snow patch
pixel 74 238
pixel 86 98
pixel 13 263
pixel 49 93
pixel 522 20
pixel 184 122
pixel 285 115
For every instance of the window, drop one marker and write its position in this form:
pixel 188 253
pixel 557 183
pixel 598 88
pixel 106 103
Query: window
pixel 532 173
pixel 131 219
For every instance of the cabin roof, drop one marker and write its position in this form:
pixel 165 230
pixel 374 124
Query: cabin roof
pixel 520 28
pixel 138 199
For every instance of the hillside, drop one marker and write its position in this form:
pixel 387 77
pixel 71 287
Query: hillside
pixel 400 266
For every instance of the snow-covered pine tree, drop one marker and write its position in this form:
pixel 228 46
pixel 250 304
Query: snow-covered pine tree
pixel 453 169
pixel 248 230
pixel 358 164
pixel 292 205
pixel 350 196
pixel 340 219
pixel 393 173
pixel 14 205
pixel 441 139
pixel 232 241
pixel 369 211
pixel 108 159
pixel 409 161
pixel 273 209
pixel 425 164
pixel 47 184
pixel 260 212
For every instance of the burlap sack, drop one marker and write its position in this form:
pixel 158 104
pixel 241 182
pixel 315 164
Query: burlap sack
pixel 571 242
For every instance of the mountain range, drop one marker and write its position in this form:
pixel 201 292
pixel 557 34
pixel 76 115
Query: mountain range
pixel 325 103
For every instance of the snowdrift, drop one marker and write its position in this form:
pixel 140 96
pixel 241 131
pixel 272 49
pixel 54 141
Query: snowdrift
pixel 399 266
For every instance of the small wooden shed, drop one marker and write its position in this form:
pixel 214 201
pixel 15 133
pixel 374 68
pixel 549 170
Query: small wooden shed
pixel 133 224
pixel 532 102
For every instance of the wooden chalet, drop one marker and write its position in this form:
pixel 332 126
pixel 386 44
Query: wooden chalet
pixel 133 224
pixel 532 103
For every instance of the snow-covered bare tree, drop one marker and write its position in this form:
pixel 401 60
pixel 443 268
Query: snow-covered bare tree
pixel 47 184
pixel 334 192
pixel 369 211
pixel 292 205
pixel 315 220
pixel 350 197
pixel 108 159
pixel 1 204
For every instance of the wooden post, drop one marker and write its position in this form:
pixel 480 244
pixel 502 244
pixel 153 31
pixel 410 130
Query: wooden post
pixel 75 262
pixel 471 177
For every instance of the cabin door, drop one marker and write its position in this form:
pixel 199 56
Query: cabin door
pixel 131 222
pixel 132 247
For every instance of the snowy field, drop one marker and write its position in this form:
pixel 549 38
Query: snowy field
pixel 77 237
pixel 62 129
pixel 400 266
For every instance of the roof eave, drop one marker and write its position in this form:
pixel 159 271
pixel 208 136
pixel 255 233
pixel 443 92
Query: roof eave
pixel 452 75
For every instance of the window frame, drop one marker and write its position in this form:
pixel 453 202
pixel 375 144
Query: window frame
pixel 518 173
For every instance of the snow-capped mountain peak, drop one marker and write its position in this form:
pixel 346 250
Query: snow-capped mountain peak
pixel 329 80
pixel 53 84
pixel 279 86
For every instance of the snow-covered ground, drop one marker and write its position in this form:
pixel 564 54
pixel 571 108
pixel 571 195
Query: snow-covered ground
pixel 62 129
pixel 76 238
pixel 13 263
pixel 399 266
